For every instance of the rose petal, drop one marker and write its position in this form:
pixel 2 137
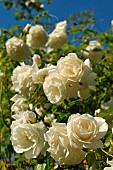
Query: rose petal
pixel 103 127
pixel 94 144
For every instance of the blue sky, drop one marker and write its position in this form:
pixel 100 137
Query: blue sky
pixel 103 12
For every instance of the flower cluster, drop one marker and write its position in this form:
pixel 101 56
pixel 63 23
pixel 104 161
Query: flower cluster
pixel 69 78
pixel 66 143
pixel 36 37
pixel 33 133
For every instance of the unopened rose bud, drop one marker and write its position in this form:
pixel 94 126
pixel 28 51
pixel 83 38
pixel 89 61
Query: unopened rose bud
pixel 30 116
pixel 49 118
pixel 38 111
pixel 31 106
pixel 112 23
pixel 36 59
pixel 42 6
pixel 26 28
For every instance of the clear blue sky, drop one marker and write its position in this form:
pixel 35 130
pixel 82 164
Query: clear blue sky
pixel 103 11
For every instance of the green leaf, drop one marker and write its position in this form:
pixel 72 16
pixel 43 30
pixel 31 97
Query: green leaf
pixel 105 114
pixel 90 158
pixel 107 141
pixel 40 167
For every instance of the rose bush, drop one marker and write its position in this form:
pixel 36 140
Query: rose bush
pixel 52 86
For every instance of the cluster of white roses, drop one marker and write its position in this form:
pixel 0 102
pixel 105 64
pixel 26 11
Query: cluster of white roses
pixel 65 143
pixel 36 37
pixel 70 78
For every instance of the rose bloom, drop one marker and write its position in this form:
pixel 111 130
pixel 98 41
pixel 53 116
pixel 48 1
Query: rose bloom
pixel 19 104
pixel 39 75
pixel 70 67
pixel 93 51
pixel 58 37
pixel 59 146
pixel 24 117
pixel 86 131
pixel 22 78
pixel 37 37
pixel 28 139
pixel 54 88
pixel 79 75
pixel 17 49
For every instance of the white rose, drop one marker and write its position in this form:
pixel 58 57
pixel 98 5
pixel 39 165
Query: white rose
pixel 22 78
pixel 20 103
pixel 17 49
pixel 79 75
pixel 39 75
pixel 94 51
pixel 37 37
pixel 59 146
pixel 58 37
pixel 86 131
pixel 28 139
pixel 70 67
pixel 25 116
pixel 54 88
